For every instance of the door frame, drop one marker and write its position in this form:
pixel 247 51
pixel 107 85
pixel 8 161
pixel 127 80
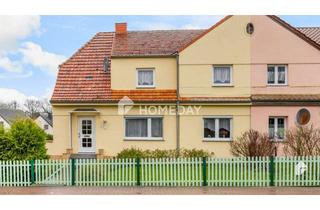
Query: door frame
pixel 93 149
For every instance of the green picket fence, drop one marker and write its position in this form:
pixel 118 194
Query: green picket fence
pixel 171 172
pixel 236 172
pixel 285 171
pixel 15 173
pixel 250 172
pixel 105 172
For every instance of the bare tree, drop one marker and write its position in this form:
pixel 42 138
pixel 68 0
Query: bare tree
pixel 11 105
pixel 33 107
pixel 302 141
pixel 252 143
pixel 46 106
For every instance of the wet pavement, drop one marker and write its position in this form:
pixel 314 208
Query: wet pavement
pixel 61 190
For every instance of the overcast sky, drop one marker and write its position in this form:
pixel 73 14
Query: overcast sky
pixel 31 47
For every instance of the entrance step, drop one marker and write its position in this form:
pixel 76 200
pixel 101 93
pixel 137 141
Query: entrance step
pixel 83 156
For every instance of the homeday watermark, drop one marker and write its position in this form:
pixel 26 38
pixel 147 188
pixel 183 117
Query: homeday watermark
pixel 126 104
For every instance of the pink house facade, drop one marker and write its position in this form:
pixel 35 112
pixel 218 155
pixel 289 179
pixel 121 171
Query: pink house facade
pixel 285 77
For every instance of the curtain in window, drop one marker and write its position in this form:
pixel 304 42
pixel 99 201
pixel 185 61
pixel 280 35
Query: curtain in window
pixel 280 130
pixel 270 74
pixel 136 128
pixel 271 128
pixel 156 127
pixel 281 75
pixel 224 128
pixel 209 128
pixel 221 75
pixel 145 78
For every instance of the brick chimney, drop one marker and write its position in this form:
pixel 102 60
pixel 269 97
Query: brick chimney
pixel 121 28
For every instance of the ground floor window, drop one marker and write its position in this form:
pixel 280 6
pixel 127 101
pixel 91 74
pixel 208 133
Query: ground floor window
pixel 143 128
pixel 217 128
pixel 277 128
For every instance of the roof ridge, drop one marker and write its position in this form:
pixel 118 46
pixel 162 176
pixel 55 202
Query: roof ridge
pixel 308 27
pixel 83 46
pixel 295 31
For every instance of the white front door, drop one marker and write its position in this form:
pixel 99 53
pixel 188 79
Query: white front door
pixel 86 134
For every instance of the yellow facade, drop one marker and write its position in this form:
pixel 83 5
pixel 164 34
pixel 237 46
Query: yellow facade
pixel 227 44
pixel 192 127
pixel 109 130
pixel 124 72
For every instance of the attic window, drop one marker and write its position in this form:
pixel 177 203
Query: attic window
pixel 89 77
pixel 250 28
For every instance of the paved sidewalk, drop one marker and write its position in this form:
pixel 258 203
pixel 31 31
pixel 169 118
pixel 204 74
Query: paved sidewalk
pixel 159 190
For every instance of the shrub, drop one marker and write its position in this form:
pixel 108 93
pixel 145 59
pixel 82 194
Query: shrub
pixel 138 153
pixel 302 141
pixel 132 153
pixel 49 137
pixel 6 147
pixel 252 143
pixel 28 139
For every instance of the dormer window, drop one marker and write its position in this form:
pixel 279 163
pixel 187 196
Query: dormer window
pixel 145 78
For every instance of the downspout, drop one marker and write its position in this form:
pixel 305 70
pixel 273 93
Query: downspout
pixel 177 105
pixel 70 130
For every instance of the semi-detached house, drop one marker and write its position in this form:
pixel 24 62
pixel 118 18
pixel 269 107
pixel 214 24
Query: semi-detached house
pixel 168 89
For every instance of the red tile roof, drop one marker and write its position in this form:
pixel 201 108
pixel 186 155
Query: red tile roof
pixel 82 77
pixel 311 32
pixel 215 99
pixel 286 97
pixel 145 95
pixel 152 43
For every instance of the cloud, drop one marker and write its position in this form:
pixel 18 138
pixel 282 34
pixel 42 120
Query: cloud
pixel 9 65
pixel 8 95
pixel 34 54
pixel 177 22
pixel 16 28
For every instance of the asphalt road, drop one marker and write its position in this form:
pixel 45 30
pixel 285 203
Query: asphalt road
pixel 60 190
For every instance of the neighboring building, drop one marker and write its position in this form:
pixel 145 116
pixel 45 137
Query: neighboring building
pixel 8 116
pixel 244 72
pixel 44 121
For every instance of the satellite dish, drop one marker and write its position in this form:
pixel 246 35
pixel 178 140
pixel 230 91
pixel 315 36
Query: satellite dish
pixel 106 64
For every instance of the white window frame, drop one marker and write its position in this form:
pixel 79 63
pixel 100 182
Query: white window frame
pixel 276 66
pixel 153 77
pixel 149 131
pixel 219 84
pixel 276 127
pixel 217 138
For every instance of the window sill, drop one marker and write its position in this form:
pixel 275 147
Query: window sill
pixel 223 85
pixel 277 85
pixel 277 140
pixel 143 139
pixel 146 87
pixel 216 140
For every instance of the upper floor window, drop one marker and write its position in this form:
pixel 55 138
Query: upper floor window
pixel 46 127
pixel 277 75
pixel 222 75
pixel 1 124
pixel 145 78
pixel 277 128
pixel 217 128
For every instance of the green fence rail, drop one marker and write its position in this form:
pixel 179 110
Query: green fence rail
pixel 237 172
